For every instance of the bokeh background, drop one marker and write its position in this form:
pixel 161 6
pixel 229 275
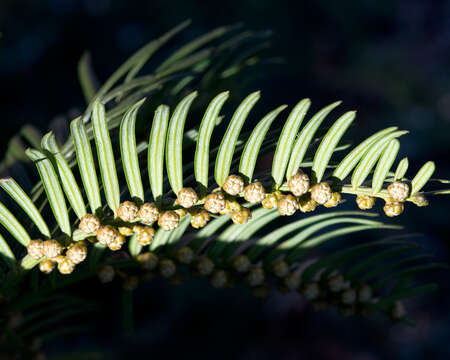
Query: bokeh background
pixel 390 60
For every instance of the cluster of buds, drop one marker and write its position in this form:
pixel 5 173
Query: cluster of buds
pixel 222 201
pixel 301 197
pixel 138 220
pixel 114 237
pixel 333 290
pixel 110 236
pixel 336 291
pixel 398 192
pixel 50 255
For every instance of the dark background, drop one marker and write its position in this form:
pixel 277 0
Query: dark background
pixel 387 59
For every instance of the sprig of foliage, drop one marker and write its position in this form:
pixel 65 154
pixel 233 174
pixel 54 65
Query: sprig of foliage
pixel 177 161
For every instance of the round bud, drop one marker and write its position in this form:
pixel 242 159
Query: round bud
pixel 46 266
pixel 127 211
pixel 365 202
pixel 168 220
pixel 321 193
pixel 218 279
pixel 199 218
pixel 185 255
pixel 364 294
pixel 234 184
pixel 306 204
pixel 148 260
pixel 187 197
pixel 148 213
pixel 106 234
pixel 167 268
pixel 419 200
pixel 398 311
pixel 241 263
pixel 269 202
pixel 280 268
pixel 311 291
pixel 89 223
pixel 348 297
pixel 145 235
pixel 130 283
pixel 66 266
pixel 77 253
pixel 393 208
pixel 287 205
pixel 254 193
pixel 299 183
pixel 117 243
pixel 398 191
pixel 255 277
pixel 334 201
pixel 215 202
pixel 106 274
pixel 51 248
pixel 241 216
pixel 35 249
pixel 292 281
pixel 204 266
